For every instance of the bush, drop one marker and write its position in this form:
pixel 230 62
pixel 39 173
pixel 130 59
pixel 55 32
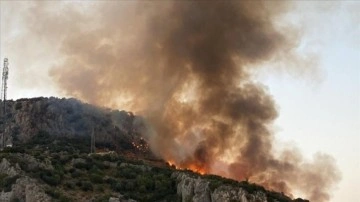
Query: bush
pixel 51 180
pixel 63 198
pixel 110 181
pixel 76 174
pixel 97 179
pixel 69 185
pixel 86 186
pixel 13 150
pixel 6 182
pixel 117 186
pixel 127 172
pixel 215 184
pixel 50 177
pixel 110 157
pixel 53 193
pixel 65 159
pixel 96 170
pixel 57 195
pixel 83 166
pixel 103 198
pixel 18 106
pixel 130 186
pixel 99 188
pixel 145 182
pixel 99 164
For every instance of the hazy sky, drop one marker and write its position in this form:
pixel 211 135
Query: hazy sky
pixel 319 109
pixel 322 114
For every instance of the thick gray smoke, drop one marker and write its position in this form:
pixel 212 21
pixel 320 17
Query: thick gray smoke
pixel 187 67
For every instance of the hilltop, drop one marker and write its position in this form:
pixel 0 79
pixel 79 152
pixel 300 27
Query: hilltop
pixel 50 159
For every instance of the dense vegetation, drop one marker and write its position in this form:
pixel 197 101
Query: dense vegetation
pixel 70 172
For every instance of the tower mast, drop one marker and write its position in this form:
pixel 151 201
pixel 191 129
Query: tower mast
pixel 5 77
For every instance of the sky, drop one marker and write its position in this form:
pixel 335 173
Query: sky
pixel 322 114
pixel 319 108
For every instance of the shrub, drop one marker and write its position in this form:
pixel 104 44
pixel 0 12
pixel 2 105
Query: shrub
pixel 78 183
pixel 96 170
pixel 2 177
pixel 145 181
pixel 50 177
pixel 13 150
pixel 99 188
pixel 57 195
pixel 83 166
pixel 96 179
pixel 142 189
pixel 53 180
pixel 127 172
pixel 99 164
pixel 117 186
pixel 214 184
pixel 65 159
pixel 63 198
pixel 76 174
pixel 69 185
pixel 53 193
pixel 110 181
pixel 130 186
pixel 86 186
pixel 6 182
pixel 103 198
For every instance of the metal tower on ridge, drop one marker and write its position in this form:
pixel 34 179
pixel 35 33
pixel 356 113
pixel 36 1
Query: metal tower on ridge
pixel 5 77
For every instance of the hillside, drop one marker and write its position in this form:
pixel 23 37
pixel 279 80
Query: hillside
pixel 70 118
pixel 50 160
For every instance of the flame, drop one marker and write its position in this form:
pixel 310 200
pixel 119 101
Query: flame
pixel 197 169
pixel 192 167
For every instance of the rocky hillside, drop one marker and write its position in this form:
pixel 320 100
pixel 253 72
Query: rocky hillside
pixel 70 118
pixel 50 160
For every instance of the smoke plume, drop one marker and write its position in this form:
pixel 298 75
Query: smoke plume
pixel 187 66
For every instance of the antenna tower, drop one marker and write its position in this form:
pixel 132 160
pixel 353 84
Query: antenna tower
pixel 5 77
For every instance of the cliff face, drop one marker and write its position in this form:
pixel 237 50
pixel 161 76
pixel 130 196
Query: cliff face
pixel 25 118
pixel 198 189
pixel 205 189
pixel 23 188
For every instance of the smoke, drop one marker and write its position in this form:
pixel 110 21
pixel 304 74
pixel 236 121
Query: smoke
pixel 187 66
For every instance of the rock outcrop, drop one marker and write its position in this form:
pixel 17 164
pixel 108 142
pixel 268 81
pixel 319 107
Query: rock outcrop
pixel 198 189
pixel 71 118
pixel 24 188
pixel 7 169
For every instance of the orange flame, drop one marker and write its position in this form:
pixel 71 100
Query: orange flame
pixel 191 167
pixel 197 169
